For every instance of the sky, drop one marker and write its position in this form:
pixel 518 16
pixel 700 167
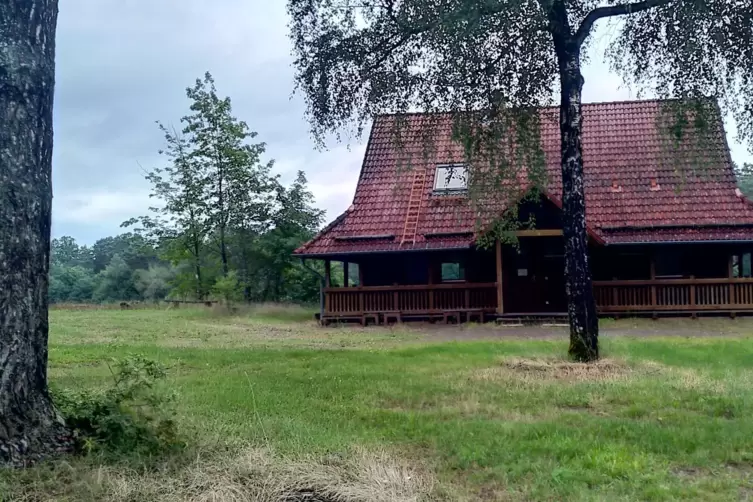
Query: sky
pixel 122 65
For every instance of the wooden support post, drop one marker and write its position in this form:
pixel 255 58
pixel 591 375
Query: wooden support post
pixel 500 298
pixel 430 280
pixel 327 283
pixel 731 293
pixel 653 278
pixel 345 274
pixel 692 297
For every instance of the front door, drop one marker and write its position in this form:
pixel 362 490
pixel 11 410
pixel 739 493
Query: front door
pixel 534 278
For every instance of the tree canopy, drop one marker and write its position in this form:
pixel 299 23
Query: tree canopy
pixel 358 59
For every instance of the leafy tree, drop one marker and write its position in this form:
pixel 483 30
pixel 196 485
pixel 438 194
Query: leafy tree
pixel 30 427
pixel 115 282
pixel 66 251
pixel 154 283
pixel 71 284
pixel 233 180
pixel 294 220
pixel 132 247
pixel 491 63
pixel 181 223
pixel 229 288
pixel 214 188
pixel 744 175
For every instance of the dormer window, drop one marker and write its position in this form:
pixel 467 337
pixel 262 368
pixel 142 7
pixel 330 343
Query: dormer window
pixel 451 178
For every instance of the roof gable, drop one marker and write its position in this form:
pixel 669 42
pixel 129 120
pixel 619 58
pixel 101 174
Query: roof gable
pixel 634 191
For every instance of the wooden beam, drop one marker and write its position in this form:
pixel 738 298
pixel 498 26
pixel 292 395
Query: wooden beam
pixel 500 298
pixel 652 274
pixel 345 274
pixel 539 233
pixel 731 288
pixel 327 274
pixel 360 274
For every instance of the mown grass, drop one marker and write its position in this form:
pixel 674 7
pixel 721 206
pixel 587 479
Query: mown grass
pixel 663 418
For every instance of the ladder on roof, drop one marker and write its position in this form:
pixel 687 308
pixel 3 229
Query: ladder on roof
pixel 414 207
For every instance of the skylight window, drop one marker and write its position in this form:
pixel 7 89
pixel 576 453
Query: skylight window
pixel 450 178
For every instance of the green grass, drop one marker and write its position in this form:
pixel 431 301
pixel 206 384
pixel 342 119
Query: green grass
pixel 665 418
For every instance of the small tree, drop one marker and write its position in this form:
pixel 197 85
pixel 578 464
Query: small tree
pixel 229 288
pixel 233 179
pixel 492 63
pixel 181 222
pixel 154 283
pixel 115 282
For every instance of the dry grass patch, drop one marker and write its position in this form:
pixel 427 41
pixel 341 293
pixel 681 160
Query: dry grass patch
pixel 544 369
pixel 257 475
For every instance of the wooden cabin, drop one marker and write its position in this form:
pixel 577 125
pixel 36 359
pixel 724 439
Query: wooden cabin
pixel 663 237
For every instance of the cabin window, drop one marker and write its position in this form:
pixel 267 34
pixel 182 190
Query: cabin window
pixel 742 265
pixel 453 272
pixel 669 265
pixel 450 178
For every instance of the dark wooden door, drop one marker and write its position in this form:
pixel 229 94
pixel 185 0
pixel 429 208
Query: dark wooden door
pixel 535 278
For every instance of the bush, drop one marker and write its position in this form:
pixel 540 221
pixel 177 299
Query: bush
pixel 229 288
pixel 131 416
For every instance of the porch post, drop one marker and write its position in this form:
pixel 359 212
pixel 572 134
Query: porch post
pixel 653 278
pixel 430 281
pixel 327 283
pixel 345 274
pixel 731 291
pixel 500 299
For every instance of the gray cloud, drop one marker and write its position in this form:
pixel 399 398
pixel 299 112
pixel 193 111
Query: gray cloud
pixel 123 64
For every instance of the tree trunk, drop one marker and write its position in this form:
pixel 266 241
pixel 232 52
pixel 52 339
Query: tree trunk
pixel 197 268
pixel 223 251
pixel 581 306
pixel 30 427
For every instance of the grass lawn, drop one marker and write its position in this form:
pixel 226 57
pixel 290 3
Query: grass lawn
pixel 661 418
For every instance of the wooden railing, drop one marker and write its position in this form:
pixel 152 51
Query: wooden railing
pixel 418 299
pixel 691 295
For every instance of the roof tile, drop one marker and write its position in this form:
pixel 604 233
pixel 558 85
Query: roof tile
pixel 621 143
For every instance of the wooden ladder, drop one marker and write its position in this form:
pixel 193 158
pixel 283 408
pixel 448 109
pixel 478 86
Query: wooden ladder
pixel 414 207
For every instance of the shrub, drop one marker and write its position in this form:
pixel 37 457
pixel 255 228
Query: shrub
pixel 129 416
pixel 229 288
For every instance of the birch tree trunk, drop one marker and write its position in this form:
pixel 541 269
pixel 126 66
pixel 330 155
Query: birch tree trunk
pixel 581 306
pixel 30 427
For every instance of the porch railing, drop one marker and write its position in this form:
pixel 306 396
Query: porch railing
pixel 414 299
pixel 692 295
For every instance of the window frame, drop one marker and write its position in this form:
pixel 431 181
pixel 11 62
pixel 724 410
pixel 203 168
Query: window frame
pixel 738 265
pixel 461 272
pixel 449 189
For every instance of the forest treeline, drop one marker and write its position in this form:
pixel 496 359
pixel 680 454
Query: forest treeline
pixel 222 225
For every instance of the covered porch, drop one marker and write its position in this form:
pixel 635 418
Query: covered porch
pixel 527 280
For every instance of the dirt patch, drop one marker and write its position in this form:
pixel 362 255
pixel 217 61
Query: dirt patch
pixel 531 369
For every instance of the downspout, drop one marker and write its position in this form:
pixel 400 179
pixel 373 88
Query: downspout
pixel 321 288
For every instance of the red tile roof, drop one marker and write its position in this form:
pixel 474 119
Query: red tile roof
pixel 623 151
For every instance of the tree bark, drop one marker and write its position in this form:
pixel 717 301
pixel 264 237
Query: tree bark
pixel 30 427
pixel 581 305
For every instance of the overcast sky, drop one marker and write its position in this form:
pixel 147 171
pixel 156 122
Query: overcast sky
pixel 123 64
